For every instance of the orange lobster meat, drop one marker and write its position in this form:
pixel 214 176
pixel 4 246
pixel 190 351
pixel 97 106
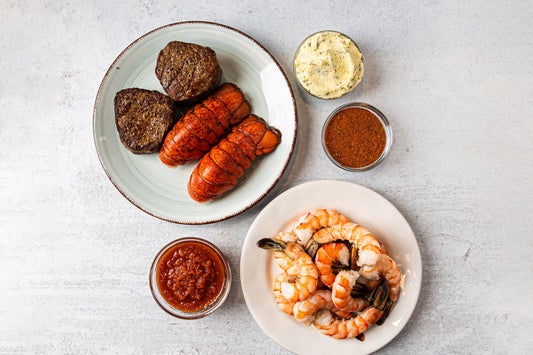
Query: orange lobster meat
pixel 204 125
pixel 219 170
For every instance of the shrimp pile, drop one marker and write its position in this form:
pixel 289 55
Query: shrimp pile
pixel 335 275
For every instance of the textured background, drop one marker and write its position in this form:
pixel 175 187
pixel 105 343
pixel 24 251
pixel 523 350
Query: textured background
pixel 454 79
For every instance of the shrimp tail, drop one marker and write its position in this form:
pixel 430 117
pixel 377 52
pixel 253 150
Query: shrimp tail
pixel 354 256
pixel 386 312
pixel 337 266
pixel 312 248
pixel 271 244
pixel 379 297
pixel 359 290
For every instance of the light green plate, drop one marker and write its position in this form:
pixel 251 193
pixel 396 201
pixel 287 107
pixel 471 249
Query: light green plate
pixel 162 191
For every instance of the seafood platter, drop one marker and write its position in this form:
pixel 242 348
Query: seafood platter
pixel 195 122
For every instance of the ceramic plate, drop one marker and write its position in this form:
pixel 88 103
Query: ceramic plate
pixel 361 205
pixel 162 191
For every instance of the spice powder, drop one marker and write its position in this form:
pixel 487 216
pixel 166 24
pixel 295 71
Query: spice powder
pixel 355 137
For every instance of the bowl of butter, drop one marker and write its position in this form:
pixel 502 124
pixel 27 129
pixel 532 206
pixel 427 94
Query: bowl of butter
pixel 328 65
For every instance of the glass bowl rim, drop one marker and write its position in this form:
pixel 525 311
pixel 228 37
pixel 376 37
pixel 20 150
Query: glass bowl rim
pixel 213 306
pixel 384 122
pixel 294 67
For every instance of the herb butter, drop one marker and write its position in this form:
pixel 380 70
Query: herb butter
pixel 328 65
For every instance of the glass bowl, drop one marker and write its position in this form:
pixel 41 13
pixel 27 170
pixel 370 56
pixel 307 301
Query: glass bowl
pixel 210 308
pixel 360 63
pixel 382 119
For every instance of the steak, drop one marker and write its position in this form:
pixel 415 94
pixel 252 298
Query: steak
pixel 143 117
pixel 187 71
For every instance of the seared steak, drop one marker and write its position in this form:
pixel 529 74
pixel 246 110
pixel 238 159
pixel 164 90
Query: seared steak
pixel 187 71
pixel 143 117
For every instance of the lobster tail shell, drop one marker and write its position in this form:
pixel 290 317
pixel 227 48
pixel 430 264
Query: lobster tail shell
pixel 204 125
pixel 269 142
pixel 218 171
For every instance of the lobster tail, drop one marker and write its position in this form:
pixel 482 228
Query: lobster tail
pixel 269 142
pixel 204 125
pixel 219 170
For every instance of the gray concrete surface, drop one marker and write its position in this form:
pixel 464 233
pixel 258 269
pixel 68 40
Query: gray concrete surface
pixel 454 79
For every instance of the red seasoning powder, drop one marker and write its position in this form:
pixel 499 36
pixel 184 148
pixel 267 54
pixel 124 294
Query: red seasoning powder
pixel 355 137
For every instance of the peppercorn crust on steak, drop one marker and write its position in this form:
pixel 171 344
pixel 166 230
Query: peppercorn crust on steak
pixel 187 71
pixel 143 117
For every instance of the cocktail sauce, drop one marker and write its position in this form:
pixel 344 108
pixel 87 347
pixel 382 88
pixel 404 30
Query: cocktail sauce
pixel 190 276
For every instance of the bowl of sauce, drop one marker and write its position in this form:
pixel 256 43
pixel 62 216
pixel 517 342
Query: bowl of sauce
pixel 356 137
pixel 328 65
pixel 190 278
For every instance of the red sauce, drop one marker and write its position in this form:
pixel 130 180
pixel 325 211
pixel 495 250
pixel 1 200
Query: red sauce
pixel 190 276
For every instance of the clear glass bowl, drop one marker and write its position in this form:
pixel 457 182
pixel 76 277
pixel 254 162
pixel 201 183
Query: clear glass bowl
pixel 386 127
pixel 304 88
pixel 213 306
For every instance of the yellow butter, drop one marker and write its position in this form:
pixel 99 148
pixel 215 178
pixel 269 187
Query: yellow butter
pixel 328 65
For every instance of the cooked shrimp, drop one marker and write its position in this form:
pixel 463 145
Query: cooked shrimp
pixel 346 328
pixel 302 272
pixel 383 250
pixel 305 311
pixel 329 258
pixel 281 259
pixel 282 302
pixel 287 237
pixel 341 289
pixel 353 327
pixel 387 268
pixel 284 262
pixel 308 223
pixel 368 247
pixel 312 221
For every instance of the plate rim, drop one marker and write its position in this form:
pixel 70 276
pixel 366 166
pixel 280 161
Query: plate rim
pixel 292 147
pixel 334 181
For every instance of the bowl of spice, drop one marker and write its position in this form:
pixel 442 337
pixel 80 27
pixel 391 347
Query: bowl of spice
pixel 190 278
pixel 328 65
pixel 356 137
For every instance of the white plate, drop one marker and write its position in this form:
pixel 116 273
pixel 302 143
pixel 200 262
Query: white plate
pixel 162 191
pixel 361 205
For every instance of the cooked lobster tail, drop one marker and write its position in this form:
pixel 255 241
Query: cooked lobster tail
pixel 203 125
pixel 219 170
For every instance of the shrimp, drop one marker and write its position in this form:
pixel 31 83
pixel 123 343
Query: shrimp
pixel 307 224
pixel 282 302
pixel 368 247
pixel 302 273
pixel 305 311
pixel 310 222
pixel 329 258
pixel 346 328
pixel 341 289
pixel 387 268
pixel 353 327
pixel 284 262
pixel 314 220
